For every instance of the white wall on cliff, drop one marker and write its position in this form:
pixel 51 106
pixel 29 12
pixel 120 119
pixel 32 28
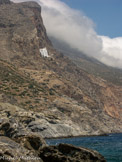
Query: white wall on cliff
pixel 44 52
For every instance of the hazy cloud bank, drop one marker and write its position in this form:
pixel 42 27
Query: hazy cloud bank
pixel 74 28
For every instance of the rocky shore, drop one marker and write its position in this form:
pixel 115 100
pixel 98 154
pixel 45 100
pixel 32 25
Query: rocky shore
pixel 19 142
pixel 32 147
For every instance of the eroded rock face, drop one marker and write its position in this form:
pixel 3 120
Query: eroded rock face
pixel 12 151
pixel 18 141
pixel 31 141
pixel 69 153
pixel 17 122
pixel 6 129
pixel 29 149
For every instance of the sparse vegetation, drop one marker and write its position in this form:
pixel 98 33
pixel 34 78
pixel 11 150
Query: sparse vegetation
pixel 23 89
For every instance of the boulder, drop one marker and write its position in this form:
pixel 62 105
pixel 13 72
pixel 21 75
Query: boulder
pixel 10 151
pixel 69 153
pixel 31 142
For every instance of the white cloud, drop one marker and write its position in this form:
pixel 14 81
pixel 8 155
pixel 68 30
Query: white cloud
pixel 70 26
pixel 112 51
pixel 74 28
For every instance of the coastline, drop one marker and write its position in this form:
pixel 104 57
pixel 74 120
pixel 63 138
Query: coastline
pixel 65 137
pixel 109 146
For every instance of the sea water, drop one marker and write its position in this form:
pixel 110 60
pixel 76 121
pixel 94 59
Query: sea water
pixel 109 146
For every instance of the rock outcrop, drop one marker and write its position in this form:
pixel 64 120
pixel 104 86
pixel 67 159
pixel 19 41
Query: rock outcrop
pixel 16 122
pixel 19 142
pixel 11 151
pixel 69 153
pixel 28 149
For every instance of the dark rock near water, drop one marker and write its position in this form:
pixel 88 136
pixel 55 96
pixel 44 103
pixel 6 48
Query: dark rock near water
pixel 33 148
pixel 69 153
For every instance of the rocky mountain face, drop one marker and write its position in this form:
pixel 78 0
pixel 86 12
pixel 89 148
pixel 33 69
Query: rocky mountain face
pixel 50 96
pixel 21 32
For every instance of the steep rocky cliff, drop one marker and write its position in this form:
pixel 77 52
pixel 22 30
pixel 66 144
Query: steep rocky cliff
pixel 22 33
pixel 49 95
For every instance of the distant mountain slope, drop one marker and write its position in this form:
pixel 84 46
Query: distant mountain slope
pixel 89 64
pixel 69 100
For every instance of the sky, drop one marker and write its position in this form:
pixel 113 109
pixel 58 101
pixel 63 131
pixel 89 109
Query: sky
pixel 107 14
pixel 90 26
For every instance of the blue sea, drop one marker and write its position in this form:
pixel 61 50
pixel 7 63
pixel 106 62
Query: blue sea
pixel 109 146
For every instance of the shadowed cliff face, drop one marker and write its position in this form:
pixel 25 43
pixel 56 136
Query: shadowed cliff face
pixel 70 101
pixel 22 33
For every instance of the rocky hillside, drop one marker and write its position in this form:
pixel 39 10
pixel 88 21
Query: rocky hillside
pixel 89 64
pixel 50 96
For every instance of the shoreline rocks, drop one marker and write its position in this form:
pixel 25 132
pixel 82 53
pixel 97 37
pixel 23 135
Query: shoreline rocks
pixel 32 148
pixel 69 153
pixel 11 151
pixel 18 143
